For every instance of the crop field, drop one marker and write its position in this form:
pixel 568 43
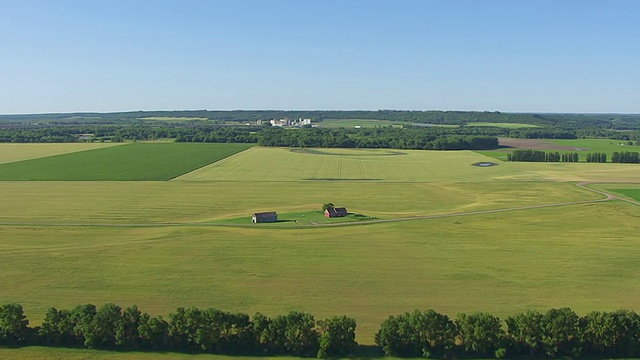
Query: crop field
pixel 365 123
pixel 451 236
pixel 581 146
pixel 18 152
pixel 137 161
pixel 173 119
pixel 369 123
pixel 384 165
pixel 502 125
pixel 632 193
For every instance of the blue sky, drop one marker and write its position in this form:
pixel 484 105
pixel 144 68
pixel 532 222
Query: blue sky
pixel 486 55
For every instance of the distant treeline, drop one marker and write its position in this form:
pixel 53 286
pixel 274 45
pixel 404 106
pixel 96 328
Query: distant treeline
pixel 596 158
pixel 414 137
pixel 186 330
pixel 387 137
pixel 430 138
pixel 627 157
pixel 565 121
pixel 541 156
pixel 554 334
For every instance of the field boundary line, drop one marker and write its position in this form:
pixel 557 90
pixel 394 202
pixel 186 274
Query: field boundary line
pixel 211 163
pixel 583 185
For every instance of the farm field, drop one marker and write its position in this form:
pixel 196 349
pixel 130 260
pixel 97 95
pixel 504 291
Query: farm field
pixel 136 161
pixel 632 193
pixel 502 125
pixel 46 353
pixel 628 191
pixel 86 203
pixel 261 164
pixel 18 152
pixel 365 123
pixel 165 244
pixel 173 119
pixel 501 263
pixel 581 146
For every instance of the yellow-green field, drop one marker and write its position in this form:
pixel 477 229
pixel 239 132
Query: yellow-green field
pixel 18 152
pixel 50 203
pixel 583 256
pixel 160 245
pixel 260 164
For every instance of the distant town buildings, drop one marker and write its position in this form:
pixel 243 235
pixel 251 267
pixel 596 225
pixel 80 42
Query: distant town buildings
pixel 287 122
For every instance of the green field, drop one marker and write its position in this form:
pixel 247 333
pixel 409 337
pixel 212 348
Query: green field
pixel 45 353
pixel 632 193
pixel 502 125
pixel 18 152
pixel 581 146
pixel 597 145
pixel 173 119
pixel 137 161
pixel 188 242
pixel 365 123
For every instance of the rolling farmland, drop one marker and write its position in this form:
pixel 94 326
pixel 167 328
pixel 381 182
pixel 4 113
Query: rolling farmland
pixel 160 244
pixel 18 152
pixel 144 161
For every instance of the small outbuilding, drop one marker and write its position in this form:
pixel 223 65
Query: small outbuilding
pixel 336 212
pixel 264 217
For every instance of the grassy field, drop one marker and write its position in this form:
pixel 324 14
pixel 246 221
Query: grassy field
pixel 632 193
pixel 502 263
pixel 597 145
pixel 188 202
pixel 365 123
pixel 629 191
pixel 173 119
pixel 165 244
pixel 502 125
pixel 581 146
pixel 18 152
pixel 44 353
pixel 137 161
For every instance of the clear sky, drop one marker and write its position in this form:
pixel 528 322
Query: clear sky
pixel 486 55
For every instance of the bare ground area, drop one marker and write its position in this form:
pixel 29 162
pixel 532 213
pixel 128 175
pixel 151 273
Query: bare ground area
pixel 540 144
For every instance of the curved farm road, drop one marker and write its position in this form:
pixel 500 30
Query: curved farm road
pixel 582 185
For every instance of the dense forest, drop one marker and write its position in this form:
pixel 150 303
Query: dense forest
pixel 558 333
pixel 407 137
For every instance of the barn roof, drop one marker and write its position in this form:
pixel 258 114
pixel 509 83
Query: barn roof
pixel 337 211
pixel 265 214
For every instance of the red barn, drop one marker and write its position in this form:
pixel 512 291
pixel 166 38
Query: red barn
pixel 335 212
